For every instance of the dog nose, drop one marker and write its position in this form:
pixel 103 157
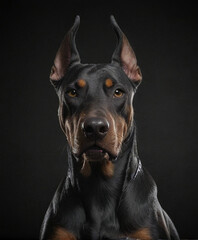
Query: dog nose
pixel 95 128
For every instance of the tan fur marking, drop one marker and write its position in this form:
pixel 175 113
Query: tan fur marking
pixel 108 82
pixel 62 234
pixel 86 168
pixel 81 83
pixel 107 168
pixel 122 128
pixel 143 234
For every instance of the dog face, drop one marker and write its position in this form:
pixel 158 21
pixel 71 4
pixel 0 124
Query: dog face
pixel 95 100
pixel 96 110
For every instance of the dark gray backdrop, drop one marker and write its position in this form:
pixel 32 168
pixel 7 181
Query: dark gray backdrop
pixel 165 39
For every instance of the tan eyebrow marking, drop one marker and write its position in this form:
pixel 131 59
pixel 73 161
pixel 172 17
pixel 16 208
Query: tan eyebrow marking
pixel 81 83
pixel 108 82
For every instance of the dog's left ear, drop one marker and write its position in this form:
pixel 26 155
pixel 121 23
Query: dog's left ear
pixel 67 54
pixel 125 56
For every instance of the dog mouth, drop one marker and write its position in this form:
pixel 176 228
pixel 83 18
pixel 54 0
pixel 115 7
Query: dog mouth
pixel 96 153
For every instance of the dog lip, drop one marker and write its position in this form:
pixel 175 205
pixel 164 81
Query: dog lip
pixel 97 150
pixel 113 156
pixel 94 150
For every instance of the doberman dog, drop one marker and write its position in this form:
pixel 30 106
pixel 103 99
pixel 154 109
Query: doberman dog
pixel 107 193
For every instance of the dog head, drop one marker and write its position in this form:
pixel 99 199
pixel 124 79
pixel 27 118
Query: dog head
pixel 95 100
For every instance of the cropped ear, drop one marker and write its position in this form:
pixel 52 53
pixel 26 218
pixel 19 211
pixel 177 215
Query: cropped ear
pixel 67 54
pixel 125 56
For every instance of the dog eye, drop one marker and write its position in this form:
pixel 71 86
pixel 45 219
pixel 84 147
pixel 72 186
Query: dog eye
pixel 72 93
pixel 118 93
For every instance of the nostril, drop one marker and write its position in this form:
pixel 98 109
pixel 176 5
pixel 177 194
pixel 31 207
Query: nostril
pixel 89 129
pixel 104 129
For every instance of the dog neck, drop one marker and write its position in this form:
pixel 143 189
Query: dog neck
pixel 133 165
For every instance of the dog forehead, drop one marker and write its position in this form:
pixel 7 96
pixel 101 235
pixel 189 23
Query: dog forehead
pixel 100 73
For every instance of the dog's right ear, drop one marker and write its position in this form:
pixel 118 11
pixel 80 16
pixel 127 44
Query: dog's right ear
pixel 67 54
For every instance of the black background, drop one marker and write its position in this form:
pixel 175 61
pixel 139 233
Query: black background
pixel 165 39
